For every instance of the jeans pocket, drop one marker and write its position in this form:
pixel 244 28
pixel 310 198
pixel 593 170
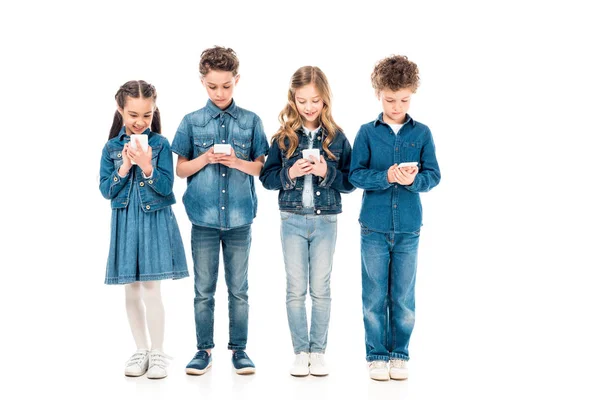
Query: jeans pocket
pixel 285 215
pixel 331 218
pixel 364 230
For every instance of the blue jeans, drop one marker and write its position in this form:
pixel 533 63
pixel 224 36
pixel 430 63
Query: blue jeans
pixel 389 268
pixel 205 252
pixel 308 243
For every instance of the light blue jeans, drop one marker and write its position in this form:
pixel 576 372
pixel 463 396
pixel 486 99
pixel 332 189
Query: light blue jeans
pixel 389 269
pixel 205 252
pixel 308 243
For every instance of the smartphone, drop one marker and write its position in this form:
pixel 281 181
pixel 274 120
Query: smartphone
pixel 221 148
pixel 306 153
pixel 408 164
pixel 143 139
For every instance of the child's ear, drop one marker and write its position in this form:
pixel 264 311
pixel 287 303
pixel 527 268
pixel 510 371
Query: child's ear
pixel 237 78
pixel 120 110
pixel 378 94
pixel 202 80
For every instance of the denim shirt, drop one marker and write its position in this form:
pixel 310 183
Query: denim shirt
pixel 155 192
pixel 326 192
pixel 218 196
pixel 391 207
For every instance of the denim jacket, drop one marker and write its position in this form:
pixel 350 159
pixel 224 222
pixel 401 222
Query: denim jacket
pixel 326 192
pixel 155 192
pixel 218 196
pixel 391 207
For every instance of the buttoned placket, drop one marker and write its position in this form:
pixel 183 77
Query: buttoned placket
pixel 223 172
pixel 396 186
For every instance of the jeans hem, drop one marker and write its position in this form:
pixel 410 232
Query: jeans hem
pixel 230 347
pixel 398 356
pixel 207 347
pixel 378 358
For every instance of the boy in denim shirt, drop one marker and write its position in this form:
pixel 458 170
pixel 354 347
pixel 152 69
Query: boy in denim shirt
pixel 390 215
pixel 220 148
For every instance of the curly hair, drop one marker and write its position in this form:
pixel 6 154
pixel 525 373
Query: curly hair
pixel 395 73
pixel 290 118
pixel 220 59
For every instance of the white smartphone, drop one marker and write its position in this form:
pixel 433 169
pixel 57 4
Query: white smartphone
pixel 143 139
pixel 408 164
pixel 306 153
pixel 222 148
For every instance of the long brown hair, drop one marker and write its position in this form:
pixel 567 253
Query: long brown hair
pixel 134 89
pixel 290 119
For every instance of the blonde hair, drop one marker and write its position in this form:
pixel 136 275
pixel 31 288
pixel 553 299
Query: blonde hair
pixel 290 118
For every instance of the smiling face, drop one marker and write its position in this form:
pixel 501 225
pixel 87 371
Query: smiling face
pixel 309 104
pixel 395 104
pixel 137 114
pixel 219 86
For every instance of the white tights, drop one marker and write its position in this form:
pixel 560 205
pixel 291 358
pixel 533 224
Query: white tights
pixel 138 295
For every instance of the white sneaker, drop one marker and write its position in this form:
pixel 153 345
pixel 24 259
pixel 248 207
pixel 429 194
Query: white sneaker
pixel 317 364
pixel 300 365
pixel 398 369
pixel 378 370
pixel 137 365
pixel 157 368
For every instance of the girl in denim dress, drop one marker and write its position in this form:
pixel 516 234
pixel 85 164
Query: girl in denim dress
pixel 309 201
pixel 145 244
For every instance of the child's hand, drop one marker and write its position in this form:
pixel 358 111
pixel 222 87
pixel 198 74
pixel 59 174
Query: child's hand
pixel 142 158
pixel 231 160
pixel 319 168
pixel 407 175
pixel 300 168
pixel 393 175
pixel 212 157
pixel 126 160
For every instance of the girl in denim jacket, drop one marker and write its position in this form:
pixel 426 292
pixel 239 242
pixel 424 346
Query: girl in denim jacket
pixel 145 244
pixel 309 201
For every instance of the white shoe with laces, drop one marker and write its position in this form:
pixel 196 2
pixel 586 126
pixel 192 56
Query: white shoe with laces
pixel 300 365
pixel 137 365
pixel 158 363
pixel 398 369
pixel 378 370
pixel 317 364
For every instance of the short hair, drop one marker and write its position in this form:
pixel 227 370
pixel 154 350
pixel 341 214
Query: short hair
pixel 395 73
pixel 220 59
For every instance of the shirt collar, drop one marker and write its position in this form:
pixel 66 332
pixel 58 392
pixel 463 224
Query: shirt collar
pixel 380 120
pixel 215 111
pixel 309 133
pixel 123 134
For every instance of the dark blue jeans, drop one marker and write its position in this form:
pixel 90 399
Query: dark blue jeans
pixel 389 267
pixel 205 252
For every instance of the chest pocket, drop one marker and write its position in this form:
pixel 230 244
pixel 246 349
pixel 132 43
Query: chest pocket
pixel 117 158
pixel 202 145
pixel 411 151
pixel 242 148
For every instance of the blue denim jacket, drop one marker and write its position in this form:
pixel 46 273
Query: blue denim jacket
pixel 326 191
pixel 390 207
pixel 156 192
pixel 218 196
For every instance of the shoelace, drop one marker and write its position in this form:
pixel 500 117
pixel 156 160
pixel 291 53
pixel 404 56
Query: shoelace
pixel 239 354
pixel 137 358
pixel 159 359
pixel 201 355
pixel 317 358
pixel 398 363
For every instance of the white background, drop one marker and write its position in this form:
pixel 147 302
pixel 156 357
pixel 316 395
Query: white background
pixel 507 288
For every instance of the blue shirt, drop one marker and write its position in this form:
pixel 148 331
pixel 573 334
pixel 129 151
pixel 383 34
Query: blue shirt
pixel 307 194
pixel 391 207
pixel 218 196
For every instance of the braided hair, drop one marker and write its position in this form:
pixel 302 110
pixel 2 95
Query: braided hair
pixel 134 89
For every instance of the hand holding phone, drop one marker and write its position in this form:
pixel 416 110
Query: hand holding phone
pixel 142 139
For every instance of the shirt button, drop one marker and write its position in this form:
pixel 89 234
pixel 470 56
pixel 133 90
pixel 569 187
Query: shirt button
pixel 147 207
pixel 223 190
pixel 319 137
pixel 223 174
pixel 222 126
pixel 115 179
pixel 151 181
pixel 395 206
pixel 318 193
pixel 243 145
pixel 204 144
pixel 141 183
pixel 318 211
pixel 119 155
pixel 222 208
pixel 222 141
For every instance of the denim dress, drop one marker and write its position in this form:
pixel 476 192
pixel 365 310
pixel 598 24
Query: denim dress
pixel 144 246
